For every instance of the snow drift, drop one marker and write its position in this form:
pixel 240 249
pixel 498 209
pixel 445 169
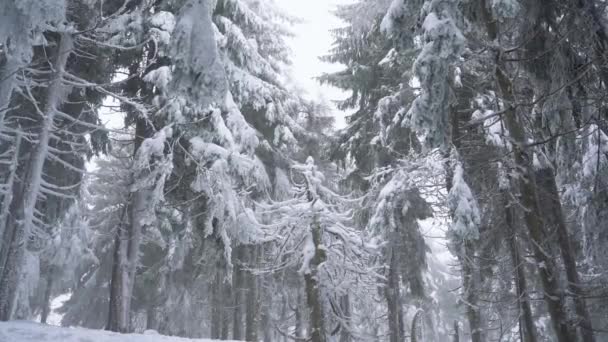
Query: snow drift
pixel 21 331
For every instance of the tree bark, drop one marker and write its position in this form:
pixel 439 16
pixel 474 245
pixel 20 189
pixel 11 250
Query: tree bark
pixel 127 244
pixel 299 314
pixel 265 304
pixel 554 221
pixel 216 309
pixel 25 208
pixel 392 294
pixel 345 310
pixel 46 302
pixel 226 318
pixel 414 329
pixel 251 313
pixel 313 291
pixel 471 291
pixel 528 193
pixel 456 332
pixel 7 197
pixel 151 317
pixel 237 279
pixel 8 78
pixel 118 320
pixel 532 216
pixel 528 329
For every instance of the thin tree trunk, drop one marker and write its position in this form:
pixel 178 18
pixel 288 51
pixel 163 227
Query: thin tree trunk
pixel 532 216
pixel 550 199
pixel 414 329
pixel 226 317
pixel 8 78
pixel 265 304
pixel 529 329
pixel 299 314
pixel 151 317
pixel 24 213
pixel 118 319
pixel 237 279
pixel 317 323
pixel 8 195
pixel 251 314
pixel 528 194
pixel 48 291
pixel 346 315
pixel 456 332
pixel 392 294
pixel 127 245
pixel 471 291
pixel 467 257
pixel 216 306
pixel 313 291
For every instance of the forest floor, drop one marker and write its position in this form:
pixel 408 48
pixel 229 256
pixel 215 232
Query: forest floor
pixel 22 331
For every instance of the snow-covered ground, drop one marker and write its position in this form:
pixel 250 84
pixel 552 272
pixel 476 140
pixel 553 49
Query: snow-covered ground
pixel 22 331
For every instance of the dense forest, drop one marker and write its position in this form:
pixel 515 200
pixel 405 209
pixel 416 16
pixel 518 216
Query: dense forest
pixel 466 198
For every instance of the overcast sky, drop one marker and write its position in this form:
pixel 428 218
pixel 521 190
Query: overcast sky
pixel 313 40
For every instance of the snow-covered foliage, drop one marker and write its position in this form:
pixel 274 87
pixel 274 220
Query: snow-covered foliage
pixel 314 234
pixel 315 206
pixel 443 43
pixel 199 75
pixel 22 23
pixel 487 115
pixel 397 201
pixel 153 164
pixel 466 216
pixel 198 218
pixel 71 244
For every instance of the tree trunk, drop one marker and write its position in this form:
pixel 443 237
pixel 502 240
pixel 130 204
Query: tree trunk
pixel 532 215
pixel 117 314
pixel 313 294
pixel 217 306
pixel 127 244
pixel 226 318
pixel 313 291
pixel 8 77
pixel 528 329
pixel 48 291
pixel 7 197
pixel 265 308
pixel 151 317
pixel 392 294
pixel 554 222
pixel 528 194
pixel 415 332
pixel 299 314
pixel 456 332
pixel 24 213
pixel 237 280
pixel 471 290
pixel 252 309
pixel 345 310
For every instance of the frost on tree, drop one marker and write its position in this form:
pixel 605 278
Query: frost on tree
pixel 198 72
pixel 464 208
pixel 315 234
pixel 22 24
pixel 442 44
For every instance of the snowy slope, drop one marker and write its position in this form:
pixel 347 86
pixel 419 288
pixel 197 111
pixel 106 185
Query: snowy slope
pixel 21 331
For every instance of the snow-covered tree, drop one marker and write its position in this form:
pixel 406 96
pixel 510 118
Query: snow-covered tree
pixel 314 232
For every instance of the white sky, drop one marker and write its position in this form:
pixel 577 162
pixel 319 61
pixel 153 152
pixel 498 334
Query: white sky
pixel 312 40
